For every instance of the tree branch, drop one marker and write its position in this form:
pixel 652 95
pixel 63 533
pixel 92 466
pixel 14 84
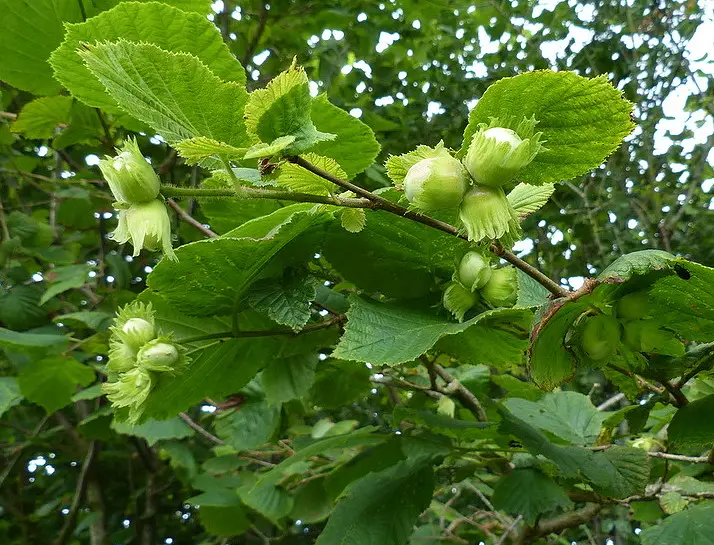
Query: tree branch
pixel 558 524
pixel 81 488
pixel 255 40
pixel 208 435
pixel 463 394
pixel 188 218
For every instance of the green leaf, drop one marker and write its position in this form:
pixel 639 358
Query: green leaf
pixel 529 493
pixel 691 526
pixel 381 509
pixel 355 147
pixel 464 430
pixel 270 501
pixel 283 108
pixel 691 426
pixel 84 127
pixel 387 334
pixel 394 256
pixel 359 437
pixel 286 302
pixel 88 319
pixel 262 149
pixel 250 426
pixel 155 23
pixel 9 394
pixel 353 220
pixel 31 29
pixel 62 279
pixel 582 120
pixel 169 91
pixel 297 178
pixel 20 306
pixel 154 431
pixel 288 378
pixel 226 520
pixel 568 415
pixel 495 340
pixel 30 341
pixel 618 472
pixel 51 382
pixel 526 199
pixel 195 150
pixel 684 302
pixel 216 371
pixel 338 383
pixel 637 263
pixel 236 259
pixel 40 118
pixel 530 292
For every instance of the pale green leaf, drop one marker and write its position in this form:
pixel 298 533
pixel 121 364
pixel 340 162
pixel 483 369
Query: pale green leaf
pixel 353 220
pixel 529 493
pixel 466 430
pixel 270 501
pixel 526 199
pixel 41 117
pixel 89 319
pixel 156 23
pixel 9 394
pixel 355 147
pixel 568 415
pixel 51 382
pixel 31 29
pixel 582 120
pixel 637 263
pixel 530 292
pixel 16 340
pixel 283 108
pixel 195 150
pixel 174 93
pixel 387 334
pixel 260 150
pixel 154 431
pixel 381 509
pixel 297 178
pixel 248 427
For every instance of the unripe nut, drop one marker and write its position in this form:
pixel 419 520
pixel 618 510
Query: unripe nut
pixel 600 336
pixel 474 271
pixel 632 306
pixel 159 355
pixel 501 290
pixel 436 183
pixel 138 332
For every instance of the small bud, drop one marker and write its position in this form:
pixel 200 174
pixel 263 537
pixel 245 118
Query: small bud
pixel 496 154
pixel 446 406
pixel 632 306
pixel 137 332
pixel 148 227
pixel 129 175
pixel 158 356
pixel 458 300
pixel 501 290
pixel 474 271
pixel 437 183
pixel 130 390
pixel 600 336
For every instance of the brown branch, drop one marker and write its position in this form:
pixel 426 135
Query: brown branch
pixel 463 394
pixel 208 435
pixel 680 400
pixel 8 115
pixel 558 524
pixel 185 216
pixel 680 457
pixel 383 204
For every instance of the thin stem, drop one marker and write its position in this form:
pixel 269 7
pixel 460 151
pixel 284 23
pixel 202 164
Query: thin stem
pixel 207 434
pixel 81 488
pixel 188 218
pixel 259 193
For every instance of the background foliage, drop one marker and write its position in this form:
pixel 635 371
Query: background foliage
pixel 267 459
